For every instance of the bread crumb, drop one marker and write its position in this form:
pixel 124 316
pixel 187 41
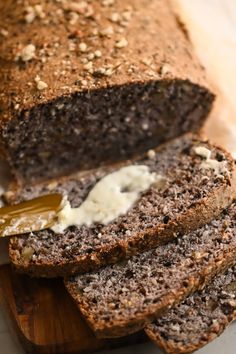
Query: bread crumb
pixel 4 32
pixel 121 43
pixel 108 2
pixel 147 61
pixel 72 46
pixel 151 154
pixel 165 69
pixel 107 32
pixel 73 18
pixel 109 71
pixel 34 11
pixel 89 67
pixel 41 85
pixel 30 15
pixel 120 30
pixel 83 47
pixel 98 53
pixel 84 60
pixel 99 72
pixel 79 7
pixel 105 71
pixel 39 11
pixel 115 17
pixel 175 327
pixel 145 126
pixel 90 56
pixel 28 52
pixel 126 15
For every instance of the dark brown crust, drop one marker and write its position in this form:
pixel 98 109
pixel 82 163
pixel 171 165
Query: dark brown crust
pixel 201 212
pixel 172 60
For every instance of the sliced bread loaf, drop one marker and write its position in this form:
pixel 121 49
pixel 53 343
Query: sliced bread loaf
pixel 191 196
pixel 199 319
pixel 123 298
pixel 86 82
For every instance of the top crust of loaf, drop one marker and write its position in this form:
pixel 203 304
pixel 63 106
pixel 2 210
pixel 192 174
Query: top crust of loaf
pixel 110 79
pixel 190 198
pixel 121 38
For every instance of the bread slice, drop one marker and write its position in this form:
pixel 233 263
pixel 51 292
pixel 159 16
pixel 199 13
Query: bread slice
pixel 123 298
pixel 190 197
pixel 199 319
pixel 84 83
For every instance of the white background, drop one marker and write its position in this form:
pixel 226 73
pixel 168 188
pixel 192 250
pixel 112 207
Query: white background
pixel 212 24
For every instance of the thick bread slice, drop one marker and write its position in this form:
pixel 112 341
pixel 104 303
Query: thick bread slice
pixel 123 298
pixel 190 197
pixel 199 319
pixel 85 83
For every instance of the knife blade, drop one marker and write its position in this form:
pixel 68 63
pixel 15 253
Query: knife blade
pixel 32 215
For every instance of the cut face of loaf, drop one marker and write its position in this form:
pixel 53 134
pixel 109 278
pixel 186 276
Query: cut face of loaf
pixel 85 84
pixel 199 319
pixel 190 197
pixel 123 298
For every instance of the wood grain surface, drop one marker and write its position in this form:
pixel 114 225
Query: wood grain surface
pixel 45 319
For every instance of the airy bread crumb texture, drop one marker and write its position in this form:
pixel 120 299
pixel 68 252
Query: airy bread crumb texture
pixel 198 320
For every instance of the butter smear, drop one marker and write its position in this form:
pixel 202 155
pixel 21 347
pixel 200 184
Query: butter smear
pixel 219 167
pixel 111 197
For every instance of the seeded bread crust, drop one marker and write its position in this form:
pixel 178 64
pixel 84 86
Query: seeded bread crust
pixel 123 298
pixel 106 81
pixel 199 319
pixel 190 198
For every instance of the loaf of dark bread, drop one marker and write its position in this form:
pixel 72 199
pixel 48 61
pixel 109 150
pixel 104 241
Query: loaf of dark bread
pixel 85 83
pixel 123 298
pixel 199 319
pixel 190 197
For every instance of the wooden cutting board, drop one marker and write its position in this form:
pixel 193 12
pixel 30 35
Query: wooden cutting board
pixel 44 318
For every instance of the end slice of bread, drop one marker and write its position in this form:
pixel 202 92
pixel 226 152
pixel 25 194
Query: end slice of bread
pixel 125 297
pixel 198 320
